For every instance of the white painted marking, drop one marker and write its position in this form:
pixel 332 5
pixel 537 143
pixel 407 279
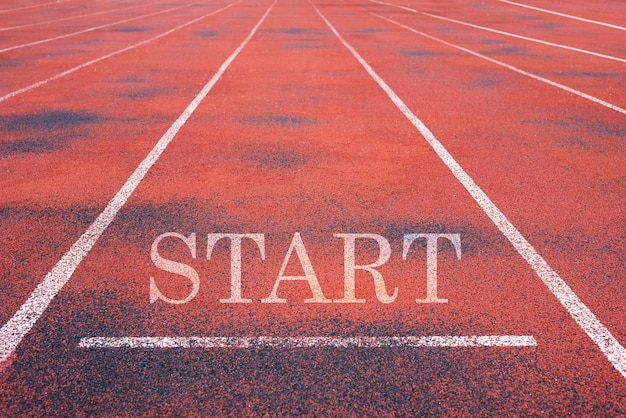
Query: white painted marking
pixel 510 67
pixel 69 18
pixel 107 56
pixel 513 35
pixel 25 318
pixel 310 342
pixel 600 335
pixel 67 35
pixel 33 6
pixel 597 22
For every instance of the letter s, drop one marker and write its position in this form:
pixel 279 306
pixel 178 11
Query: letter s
pixel 174 267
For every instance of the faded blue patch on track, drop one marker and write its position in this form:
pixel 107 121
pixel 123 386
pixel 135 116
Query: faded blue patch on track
pixel 47 120
pixel 282 120
pixel 368 30
pixel 131 29
pixel 422 53
pixel 207 34
pixel 304 46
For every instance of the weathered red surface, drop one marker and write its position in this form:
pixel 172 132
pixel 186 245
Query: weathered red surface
pixel 296 136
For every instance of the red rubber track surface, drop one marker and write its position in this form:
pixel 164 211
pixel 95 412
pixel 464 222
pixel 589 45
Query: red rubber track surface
pixel 297 137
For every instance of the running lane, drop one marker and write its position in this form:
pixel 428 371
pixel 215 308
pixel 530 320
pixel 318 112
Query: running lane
pixel 551 160
pixel 30 55
pixel 580 55
pixel 67 146
pixel 297 137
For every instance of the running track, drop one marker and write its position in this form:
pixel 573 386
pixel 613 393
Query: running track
pixel 500 123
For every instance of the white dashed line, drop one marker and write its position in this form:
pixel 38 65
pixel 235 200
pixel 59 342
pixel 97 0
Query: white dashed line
pixel 510 67
pixel 600 335
pixel 93 29
pixel 107 56
pixel 597 22
pixel 309 342
pixel 25 318
pixel 69 18
pixel 513 35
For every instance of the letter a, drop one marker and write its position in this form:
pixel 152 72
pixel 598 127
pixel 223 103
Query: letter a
pixel 309 275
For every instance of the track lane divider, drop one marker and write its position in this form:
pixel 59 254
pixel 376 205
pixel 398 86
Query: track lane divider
pixel 510 67
pixel 583 316
pixel 582 19
pixel 110 55
pixel 25 318
pixel 33 6
pixel 513 35
pixel 27 25
pixel 68 35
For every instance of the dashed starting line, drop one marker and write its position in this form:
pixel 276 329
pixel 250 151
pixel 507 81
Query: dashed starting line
pixel 310 342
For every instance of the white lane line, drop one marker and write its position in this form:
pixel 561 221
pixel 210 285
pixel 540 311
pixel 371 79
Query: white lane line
pixel 25 318
pixel 310 342
pixel 600 335
pixel 107 56
pixel 93 29
pixel 510 67
pixel 69 18
pixel 33 6
pixel 597 22
pixel 513 35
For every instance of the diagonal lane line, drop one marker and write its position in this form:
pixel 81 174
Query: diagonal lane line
pixel 583 316
pixel 25 318
pixel 513 35
pixel 28 25
pixel 510 67
pixel 33 6
pixel 107 56
pixel 68 35
pixel 582 19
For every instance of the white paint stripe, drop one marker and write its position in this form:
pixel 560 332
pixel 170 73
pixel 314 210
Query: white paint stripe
pixel 597 22
pixel 34 5
pixel 25 318
pixel 92 29
pixel 107 56
pixel 398 6
pixel 600 335
pixel 309 342
pixel 510 67
pixel 69 18
pixel 513 35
